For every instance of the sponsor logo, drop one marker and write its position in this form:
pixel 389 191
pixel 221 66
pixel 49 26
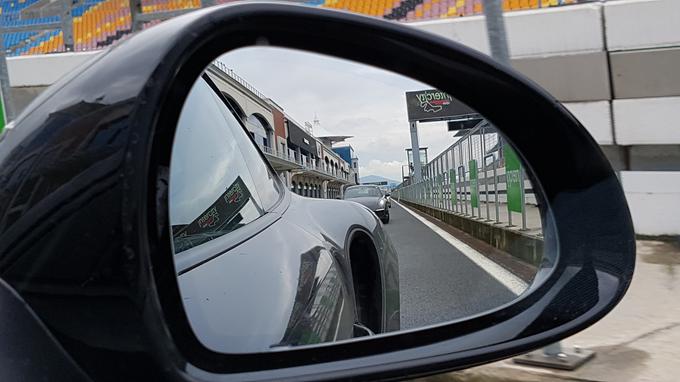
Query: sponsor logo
pixel 235 195
pixel 210 219
pixel 432 102
pixel 513 176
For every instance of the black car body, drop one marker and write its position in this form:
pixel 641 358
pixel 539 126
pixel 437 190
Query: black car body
pixel 371 197
pixel 342 264
pixel 88 283
pixel 64 214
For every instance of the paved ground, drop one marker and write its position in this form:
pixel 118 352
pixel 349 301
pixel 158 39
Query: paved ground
pixel 638 341
pixel 438 282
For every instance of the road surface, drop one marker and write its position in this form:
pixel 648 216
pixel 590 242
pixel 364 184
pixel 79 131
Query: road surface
pixel 438 281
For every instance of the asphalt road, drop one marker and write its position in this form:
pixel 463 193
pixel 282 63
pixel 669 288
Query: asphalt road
pixel 438 282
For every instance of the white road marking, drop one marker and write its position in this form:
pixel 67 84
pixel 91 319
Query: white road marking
pixel 502 275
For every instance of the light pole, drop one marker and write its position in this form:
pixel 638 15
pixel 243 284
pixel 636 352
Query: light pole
pixel 495 29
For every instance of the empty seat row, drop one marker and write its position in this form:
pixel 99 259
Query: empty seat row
pixel 46 42
pixel 414 10
pixel 7 7
pixel 97 23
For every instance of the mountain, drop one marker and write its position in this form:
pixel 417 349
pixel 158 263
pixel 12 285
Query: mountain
pixel 376 178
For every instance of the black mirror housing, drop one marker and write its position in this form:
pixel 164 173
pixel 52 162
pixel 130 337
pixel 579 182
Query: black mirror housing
pixel 588 226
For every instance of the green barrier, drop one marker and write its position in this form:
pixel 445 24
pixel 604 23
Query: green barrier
pixel 440 189
pixel 513 178
pixel 474 185
pixel 452 185
pixel 2 114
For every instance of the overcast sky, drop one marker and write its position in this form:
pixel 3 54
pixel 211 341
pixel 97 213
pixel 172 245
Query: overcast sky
pixel 348 98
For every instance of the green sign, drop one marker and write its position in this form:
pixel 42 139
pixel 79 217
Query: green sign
pixel 432 183
pixel 474 186
pixel 513 168
pixel 428 191
pixel 440 195
pixel 2 114
pixel 452 185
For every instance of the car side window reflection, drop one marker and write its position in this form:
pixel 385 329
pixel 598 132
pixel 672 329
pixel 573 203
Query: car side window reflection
pixel 212 191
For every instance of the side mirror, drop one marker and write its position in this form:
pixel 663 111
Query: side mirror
pixel 92 160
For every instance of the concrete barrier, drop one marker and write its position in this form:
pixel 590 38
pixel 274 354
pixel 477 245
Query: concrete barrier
pixel 526 248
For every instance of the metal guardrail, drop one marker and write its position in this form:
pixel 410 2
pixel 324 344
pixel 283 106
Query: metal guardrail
pixel 469 178
pixel 285 156
pixel 306 164
pixel 239 79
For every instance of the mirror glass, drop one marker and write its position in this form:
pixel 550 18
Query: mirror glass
pixel 300 214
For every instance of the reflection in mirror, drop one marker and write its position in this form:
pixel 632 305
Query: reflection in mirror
pixel 268 258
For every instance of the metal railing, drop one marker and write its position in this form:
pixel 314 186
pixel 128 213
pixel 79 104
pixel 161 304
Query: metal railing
pixel 470 178
pixel 304 162
pixel 336 174
pixel 287 156
pixel 239 79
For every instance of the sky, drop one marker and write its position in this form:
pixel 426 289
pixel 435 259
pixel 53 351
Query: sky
pixel 347 98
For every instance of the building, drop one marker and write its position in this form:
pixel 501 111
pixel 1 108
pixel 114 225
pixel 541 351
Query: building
pixel 348 155
pixel 308 165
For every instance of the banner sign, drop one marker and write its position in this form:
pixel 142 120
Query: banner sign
pixel 433 189
pixel 427 191
pixel 432 180
pixel 513 168
pixel 298 137
pixel 434 105
pixel 221 217
pixel 474 186
pixel 463 124
pixel 2 113
pixel 440 190
pixel 380 183
pixel 452 185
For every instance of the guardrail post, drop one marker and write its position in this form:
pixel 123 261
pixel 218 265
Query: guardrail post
pixel 479 194
pixel 67 24
pixel 7 103
pixel 524 203
pixel 448 183
pixel 135 11
pixel 486 179
pixel 472 208
pixel 495 188
pixel 459 205
pixel 461 176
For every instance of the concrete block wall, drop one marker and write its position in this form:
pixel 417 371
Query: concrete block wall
pixel 614 65
pixel 654 201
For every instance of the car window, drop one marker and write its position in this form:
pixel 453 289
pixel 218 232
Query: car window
pixel 213 187
pixel 358 192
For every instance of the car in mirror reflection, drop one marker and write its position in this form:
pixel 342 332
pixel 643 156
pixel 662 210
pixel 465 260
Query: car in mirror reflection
pixel 232 223
pixel 371 197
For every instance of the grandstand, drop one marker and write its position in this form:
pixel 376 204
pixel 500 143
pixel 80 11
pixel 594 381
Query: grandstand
pixel 98 23
pixel 416 10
